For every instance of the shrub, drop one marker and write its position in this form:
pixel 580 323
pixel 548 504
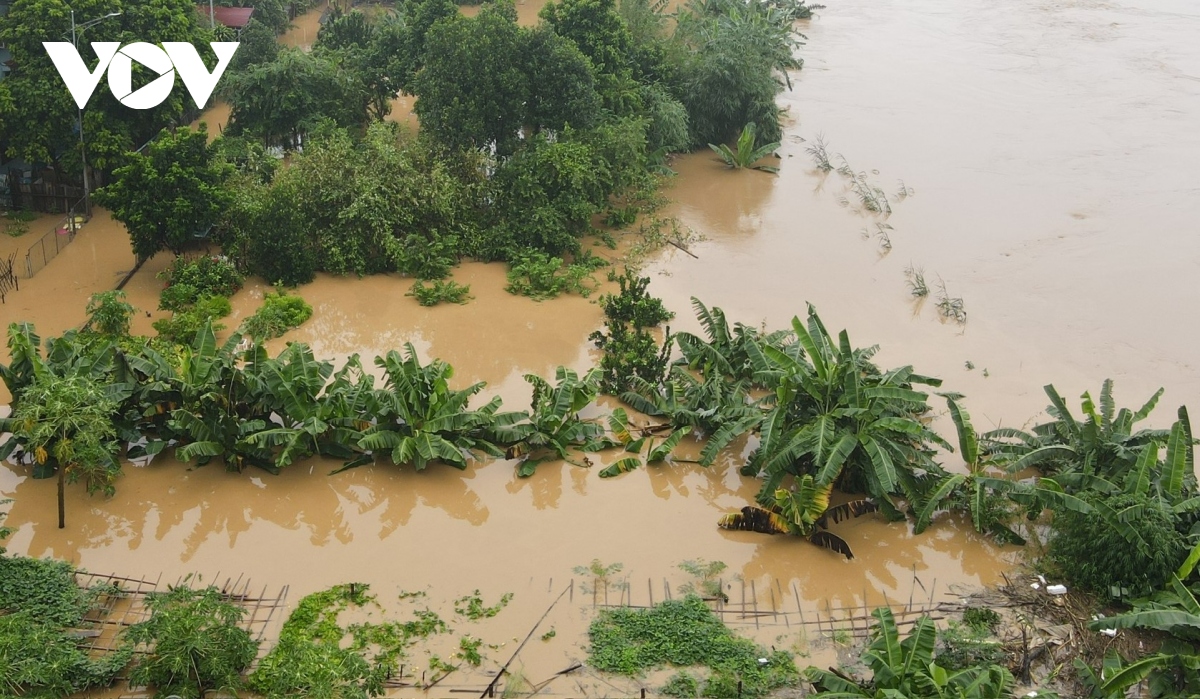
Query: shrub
pixel 44 588
pixel 109 313
pixel 198 277
pixel 629 349
pixel 182 326
pixel 440 291
pixel 633 304
pixel 1091 552
pixel 194 642
pixel 278 314
pixel 540 277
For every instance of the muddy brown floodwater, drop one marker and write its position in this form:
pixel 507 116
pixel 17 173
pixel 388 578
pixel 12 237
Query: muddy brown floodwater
pixel 1051 154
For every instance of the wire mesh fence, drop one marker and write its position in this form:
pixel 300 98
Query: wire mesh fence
pixel 55 240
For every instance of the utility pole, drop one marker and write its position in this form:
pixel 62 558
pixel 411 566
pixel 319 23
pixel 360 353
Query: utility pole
pixel 87 189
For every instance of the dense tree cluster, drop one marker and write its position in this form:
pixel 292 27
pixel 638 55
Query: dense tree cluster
pixel 526 133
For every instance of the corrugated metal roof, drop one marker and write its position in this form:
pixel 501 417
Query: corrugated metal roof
pixel 235 17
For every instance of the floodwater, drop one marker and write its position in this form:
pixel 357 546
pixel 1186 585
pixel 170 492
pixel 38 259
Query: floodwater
pixel 303 32
pixel 1050 151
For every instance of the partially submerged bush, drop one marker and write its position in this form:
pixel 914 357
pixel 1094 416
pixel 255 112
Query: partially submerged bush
pixel 1093 553
pixel 109 313
pixel 190 279
pixel 183 326
pixel 278 314
pixel 540 277
pixel 439 291
pixel 629 349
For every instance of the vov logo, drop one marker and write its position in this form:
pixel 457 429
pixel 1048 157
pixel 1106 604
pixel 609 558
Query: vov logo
pixel 173 56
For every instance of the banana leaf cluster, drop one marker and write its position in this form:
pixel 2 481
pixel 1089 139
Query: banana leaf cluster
pixel 238 404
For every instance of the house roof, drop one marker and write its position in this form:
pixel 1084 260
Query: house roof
pixel 235 17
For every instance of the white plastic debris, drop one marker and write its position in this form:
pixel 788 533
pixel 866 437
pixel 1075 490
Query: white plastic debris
pixel 1036 586
pixel 1109 632
pixel 1032 694
pixel 763 661
pixel 1042 579
pixel 1056 589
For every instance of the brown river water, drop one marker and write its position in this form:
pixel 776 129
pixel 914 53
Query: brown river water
pixel 1051 156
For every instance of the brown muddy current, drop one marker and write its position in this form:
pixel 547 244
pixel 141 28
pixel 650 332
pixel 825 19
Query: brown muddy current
pixel 1050 152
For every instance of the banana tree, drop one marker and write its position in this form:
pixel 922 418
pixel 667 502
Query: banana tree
pixel 218 410
pixel 838 417
pixel 1102 443
pixel 654 453
pixel 976 492
pixel 724 350
pixel 1174 671
pixel 422 420
pixel 804 511
pixel 907 669
pixel 553 428
pixel 291 388
pixel 746 154
pixel 683 400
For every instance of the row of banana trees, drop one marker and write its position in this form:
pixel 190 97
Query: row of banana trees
pixel 821 416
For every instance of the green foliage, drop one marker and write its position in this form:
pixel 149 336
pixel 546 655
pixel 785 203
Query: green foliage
pixel 45 589
pixel 907 668
pixel 169 195
pixel 731 54
pixel 683 685
pixel 38 116
pixel 473 608
pixel 747 153
pixel 109 313
pixel 634 304
pixel 37 659
pixel 318 657
pixel 1104 443
pixel 381 204
pixel 646 451
pixel 540 277
pixel 187 280
pixel 630 352
pixel 282 100
pixel 66 424
pixel 554 427
pixel 421 419
pixel 705 579
pixel 256 44
pixel 1092 550
pixel 185 325
pixel 963 646
pixel 278 314
pixel 194 643
pixel 685 633
pixel 468 650
pixel 439 292
pixel 977 493
pixel 545 196
pixel 472 89
pixel 981 619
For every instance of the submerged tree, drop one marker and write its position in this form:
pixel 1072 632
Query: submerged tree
pixel 65 424
pixel 168 195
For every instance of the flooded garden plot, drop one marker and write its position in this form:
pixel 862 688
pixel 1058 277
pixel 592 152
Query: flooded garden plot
pixel 1051 204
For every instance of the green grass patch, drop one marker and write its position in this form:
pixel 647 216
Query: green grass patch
pixel 686 634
